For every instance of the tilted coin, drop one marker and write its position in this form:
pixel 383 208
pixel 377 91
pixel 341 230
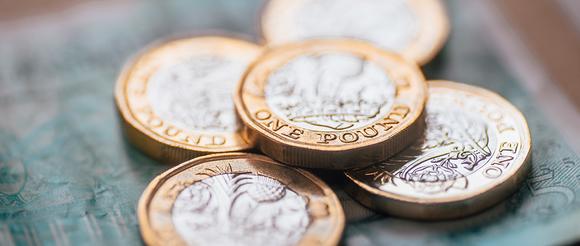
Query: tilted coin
pixel 175 98
pixel 416 29
pixel 332 104
pixel 475 151
pixel 239 199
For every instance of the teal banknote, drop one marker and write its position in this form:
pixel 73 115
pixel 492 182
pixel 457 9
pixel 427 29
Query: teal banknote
pixel 68 177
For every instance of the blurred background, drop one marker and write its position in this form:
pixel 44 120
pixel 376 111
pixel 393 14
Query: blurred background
pixel 538 40
pixel 68 176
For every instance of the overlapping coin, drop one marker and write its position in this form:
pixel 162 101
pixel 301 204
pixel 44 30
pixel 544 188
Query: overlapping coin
pixel 416 29
pixel 175 98
pixel 239 199
pixel 333 104
pixel 475 151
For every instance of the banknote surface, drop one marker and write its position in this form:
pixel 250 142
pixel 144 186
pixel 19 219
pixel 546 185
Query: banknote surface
pixel 68 177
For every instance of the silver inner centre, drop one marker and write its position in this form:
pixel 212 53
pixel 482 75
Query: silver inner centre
pixel 330 92
pixel 390 24
pixel 455 144
pixel 240 209
pixel 196 93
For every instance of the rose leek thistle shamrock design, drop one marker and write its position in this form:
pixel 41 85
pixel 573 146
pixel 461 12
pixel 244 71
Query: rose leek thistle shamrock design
pixel 239 199
pixel 240 208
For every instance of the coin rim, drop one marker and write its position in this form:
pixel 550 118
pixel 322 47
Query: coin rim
pixel 412 51
pixel 307 47
pixel 149 235
pixel 155 145
pixel 302 153
pixel 515 175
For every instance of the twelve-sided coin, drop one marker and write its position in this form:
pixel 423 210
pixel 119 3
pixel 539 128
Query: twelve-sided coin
pixel 239 199
pixel 474 152
pixel 175 98
pixel 416 29
pixel 334 104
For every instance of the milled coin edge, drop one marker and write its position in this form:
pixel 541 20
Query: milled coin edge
pixel 156 146
pixel 149 235
pixel 300 154
pixel 459 205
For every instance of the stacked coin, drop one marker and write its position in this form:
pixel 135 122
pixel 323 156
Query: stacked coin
pixel 334 104
pixel 473 153
pixel 337 87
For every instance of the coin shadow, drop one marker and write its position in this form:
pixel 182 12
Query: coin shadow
pixel 353 211
pixel 144 167
pixel 436 68
pixel 497 214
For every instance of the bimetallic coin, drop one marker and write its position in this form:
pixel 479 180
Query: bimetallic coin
pixel 334 104
pixel 239 199
pixel 474 152
pixel 416 29
pixel 175 98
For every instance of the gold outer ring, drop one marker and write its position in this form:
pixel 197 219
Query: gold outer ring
pixel 325 229
pixel 434 27
pixel 161 139
pixel 296 146
pixel 409 206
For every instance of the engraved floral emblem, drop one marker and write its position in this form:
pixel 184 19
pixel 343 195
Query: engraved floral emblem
pixel 240 209
pixel 330 92
pixel 454 145
pixel 195 93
